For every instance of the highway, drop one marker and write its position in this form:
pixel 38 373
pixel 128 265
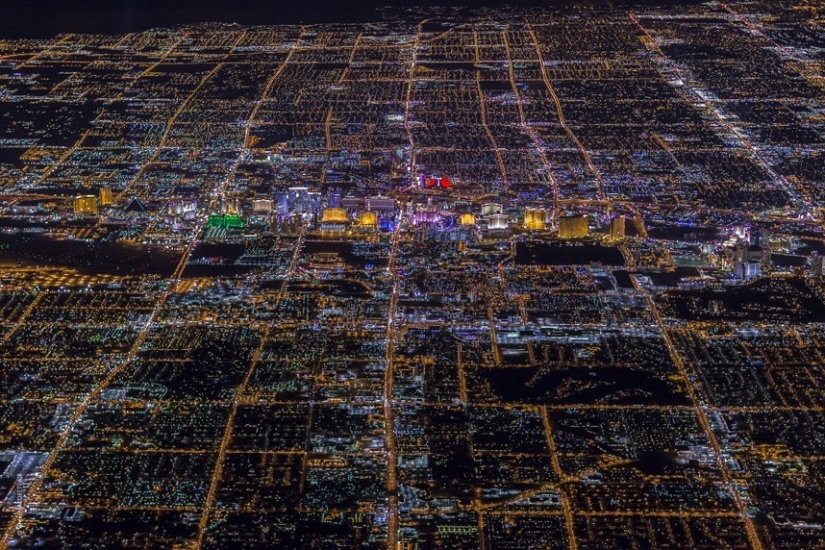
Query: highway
pixel 702 415
pixel 482 105
pixel 537 143
pixel 560 112
pixel 388 401
pixel 171 121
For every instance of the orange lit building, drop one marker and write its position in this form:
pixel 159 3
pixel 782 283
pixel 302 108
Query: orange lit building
pixel 85 204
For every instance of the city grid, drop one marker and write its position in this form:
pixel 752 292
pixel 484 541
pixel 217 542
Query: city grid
pixel 521 279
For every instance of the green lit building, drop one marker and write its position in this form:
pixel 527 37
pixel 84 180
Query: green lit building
pixel 225 221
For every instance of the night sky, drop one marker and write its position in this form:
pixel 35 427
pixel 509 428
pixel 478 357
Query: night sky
pixel 45 18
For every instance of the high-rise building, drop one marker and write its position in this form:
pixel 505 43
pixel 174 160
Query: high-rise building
pixel 467 219
pixel 498 221
pixel 535 219
pixel 747 270
pixel 351 203
pixel 760 240
pixel 105 195
pixel 85 204
pixel 380 204
pixel 490 208
pixel 426 214
pixel 617 228
pixel 573 227
pixel 225 221
pixel 231 207
pixel 335 215
pixel 262 205
pixel 816 265
pixel 367 219
pixel 757 236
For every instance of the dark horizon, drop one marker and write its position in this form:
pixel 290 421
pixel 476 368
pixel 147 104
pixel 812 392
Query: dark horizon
pixel 46 18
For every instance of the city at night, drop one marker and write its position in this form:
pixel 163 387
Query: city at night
pixel 547 275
